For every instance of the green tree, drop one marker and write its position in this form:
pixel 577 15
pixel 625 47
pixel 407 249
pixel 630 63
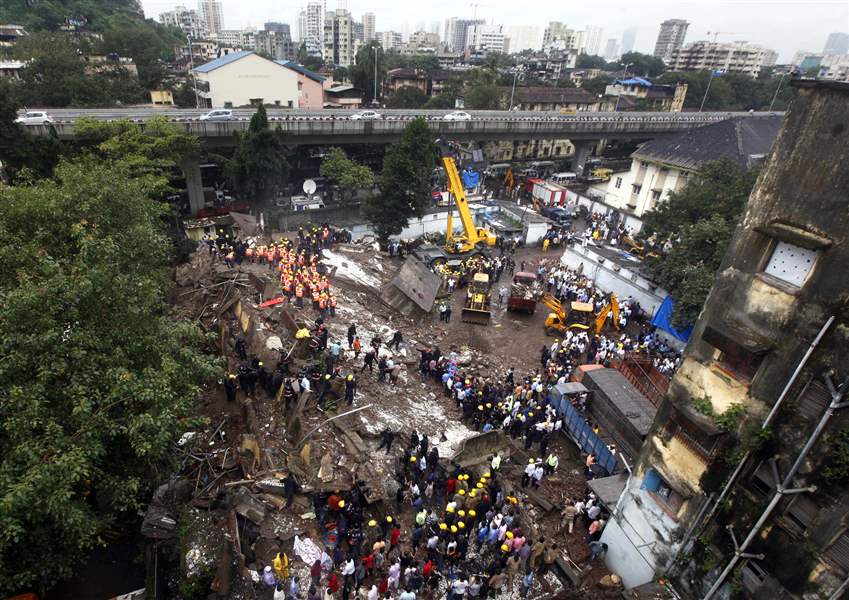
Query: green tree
pixel 644 65
pixel 314 63
pixel 441 101
pixel 407 96
pixel 148 43
pixel 50 15
pixel 404 182
pixel 20 151
pixel 341 74
pixel 591 61
pixel 483 97
pixel 695 224
pixel 346 173
pixel 596 85
pixel 98 376
pixel 259 163
pixel 363 71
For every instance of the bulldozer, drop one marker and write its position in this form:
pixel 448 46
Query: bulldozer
pixel 579 316
pixel 476 309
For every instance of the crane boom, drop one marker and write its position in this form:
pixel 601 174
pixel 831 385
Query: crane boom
pixel 455 186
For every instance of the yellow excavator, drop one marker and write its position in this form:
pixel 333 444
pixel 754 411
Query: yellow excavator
pixel 637 249
pixel 476 308
pixel 579 315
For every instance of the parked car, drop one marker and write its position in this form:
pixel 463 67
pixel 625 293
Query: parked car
pixel 365 115
pixel 219 114
pixel 34 117
pixel 457 115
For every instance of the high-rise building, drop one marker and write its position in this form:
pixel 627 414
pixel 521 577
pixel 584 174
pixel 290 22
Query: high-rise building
pixel 555 31
pixel 524 37
pixel 278 28
pixel 629 40
pixel 368 27
pixel 837 43
pixel 211 12
pixel 735 57
pixel 390 40
pixel 735 492
pixel 592 39
pixel 359 31
pixel 339 38
pixel 189 21
pixel 611 49
pixel 244 39
pixel 457 43
pixel 448 32
pixel 485 39
pixel 311 27
pixel 671 37
pixel 276 41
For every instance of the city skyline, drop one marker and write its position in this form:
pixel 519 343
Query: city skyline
pixel 781 25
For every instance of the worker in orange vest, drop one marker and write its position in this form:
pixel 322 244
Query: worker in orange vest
pixel 299 295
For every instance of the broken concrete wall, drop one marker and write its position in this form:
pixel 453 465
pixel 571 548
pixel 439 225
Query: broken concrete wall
pixel 413 289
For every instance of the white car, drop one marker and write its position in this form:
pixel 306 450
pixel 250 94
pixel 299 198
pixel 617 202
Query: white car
pixel 34 117
pixel 457 115
pixel 365 115
pixel 220 114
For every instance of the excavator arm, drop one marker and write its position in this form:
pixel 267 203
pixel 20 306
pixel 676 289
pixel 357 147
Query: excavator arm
pixel 555 305
pixel 612 305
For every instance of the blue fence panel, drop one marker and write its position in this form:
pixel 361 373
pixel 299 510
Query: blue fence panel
pixel 583 434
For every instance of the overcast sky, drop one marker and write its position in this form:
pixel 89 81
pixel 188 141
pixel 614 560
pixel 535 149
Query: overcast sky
pixel 783 25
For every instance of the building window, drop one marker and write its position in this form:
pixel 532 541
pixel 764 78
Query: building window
pixel 762 479
pixel 801 513
pixel 618 183
pixel 668 499
pixel 790 264
pixel 655 194
pixel 838 553
pixel 636 188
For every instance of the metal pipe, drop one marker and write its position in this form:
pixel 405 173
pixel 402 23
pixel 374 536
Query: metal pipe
pixel 769 418
pixel 326 421
pixel 836 595
pixel 625 489
pixel 782 488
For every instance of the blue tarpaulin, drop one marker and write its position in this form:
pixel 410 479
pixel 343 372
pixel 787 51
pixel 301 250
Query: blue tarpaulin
pixel 663 320
pixel 471 179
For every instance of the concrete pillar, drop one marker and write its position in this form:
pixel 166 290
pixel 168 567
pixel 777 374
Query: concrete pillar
pixel 194 184
pixel 583 149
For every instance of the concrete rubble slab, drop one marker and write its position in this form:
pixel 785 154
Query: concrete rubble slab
pixel 413 289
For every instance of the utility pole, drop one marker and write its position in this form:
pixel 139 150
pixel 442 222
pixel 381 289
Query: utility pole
pixel 619 95
pixel 513 91
pixel 707 89
pixel 778 89
pixel 375 73
pixel 192 71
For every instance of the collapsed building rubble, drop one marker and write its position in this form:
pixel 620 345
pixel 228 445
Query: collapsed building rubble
pixel 234 470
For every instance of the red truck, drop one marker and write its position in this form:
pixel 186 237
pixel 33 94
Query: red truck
pixel 523 293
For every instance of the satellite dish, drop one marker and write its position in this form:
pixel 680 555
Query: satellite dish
pixel 309 187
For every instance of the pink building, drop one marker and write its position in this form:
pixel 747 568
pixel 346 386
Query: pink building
pixel 310 85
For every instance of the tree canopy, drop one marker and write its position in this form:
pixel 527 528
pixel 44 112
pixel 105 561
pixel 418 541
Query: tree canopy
pixel 346 173
pixel 731 91
pixel 98 379
pixel 644 65
pixel 404 182
pixel 363 71
pixel 259 164
pixel 591 61
pixel 697 222
pixel 21 152
pixel 407 96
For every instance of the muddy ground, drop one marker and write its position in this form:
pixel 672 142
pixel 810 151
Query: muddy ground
pixel 411 403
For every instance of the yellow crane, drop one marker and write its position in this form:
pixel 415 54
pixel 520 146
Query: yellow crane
pixel 472 236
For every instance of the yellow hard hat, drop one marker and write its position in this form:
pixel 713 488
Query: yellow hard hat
pixel 462 513
pixel 472 493
pixel 449 508
pixel 372 523
pixel 260 363
pixel 231 376
pixel 453 529
pixel 509 535
pixel 327 376
pixel 341 504
pixel 412 459
pixel 443 526
pixel 479 485
pixel 472 513
pixel 480 406
pixel 530 414
pixel 461 525
pixel 388 519
pixel 489 404
pixel 350 377
pixel 530 461
pixel 462 492
pixel 505 548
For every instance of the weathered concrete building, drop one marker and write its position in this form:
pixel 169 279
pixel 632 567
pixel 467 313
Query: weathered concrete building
pixel 752 437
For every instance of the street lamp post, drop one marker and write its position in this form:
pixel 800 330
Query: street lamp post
pixel 707 89
pixel 619 95
pixel 375 73
pixel 192 71
pixel 513 91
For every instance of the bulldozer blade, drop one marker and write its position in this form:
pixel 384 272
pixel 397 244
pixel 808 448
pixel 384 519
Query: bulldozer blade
pixel 476 317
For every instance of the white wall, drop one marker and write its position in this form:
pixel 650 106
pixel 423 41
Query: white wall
pixel 649 176
pixel 638 537
pixel 252 77
pixel 624 282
